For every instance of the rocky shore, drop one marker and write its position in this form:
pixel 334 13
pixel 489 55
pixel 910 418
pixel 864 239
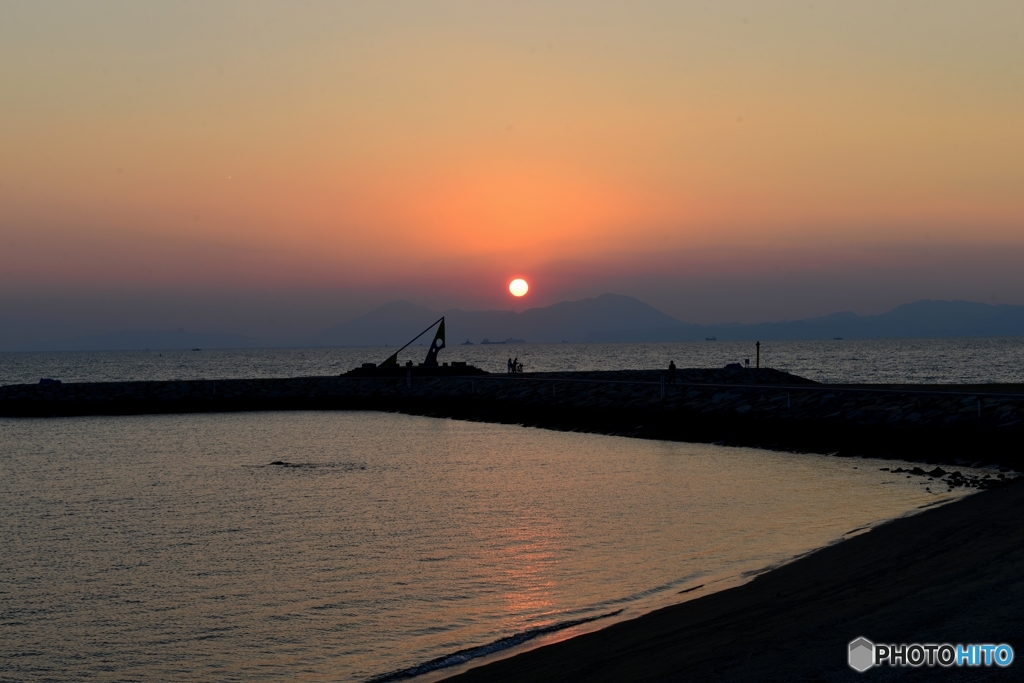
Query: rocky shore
pixel 942 424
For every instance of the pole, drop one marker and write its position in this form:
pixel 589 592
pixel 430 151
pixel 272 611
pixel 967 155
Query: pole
pixel 758 345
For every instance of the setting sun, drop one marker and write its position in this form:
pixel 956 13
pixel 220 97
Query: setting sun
pixel 518 287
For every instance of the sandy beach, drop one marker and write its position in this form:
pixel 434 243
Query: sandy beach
pixel 951 574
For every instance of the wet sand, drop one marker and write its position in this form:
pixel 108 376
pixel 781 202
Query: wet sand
pixel 951 574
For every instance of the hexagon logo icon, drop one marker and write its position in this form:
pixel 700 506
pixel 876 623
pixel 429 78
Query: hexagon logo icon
pixel 862 654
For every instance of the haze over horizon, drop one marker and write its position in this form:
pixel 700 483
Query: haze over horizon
pixel 606 318
pixel 270 170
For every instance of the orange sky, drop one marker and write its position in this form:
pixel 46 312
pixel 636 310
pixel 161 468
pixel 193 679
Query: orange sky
pixel 367 147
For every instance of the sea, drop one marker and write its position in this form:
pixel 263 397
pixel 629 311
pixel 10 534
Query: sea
pixel 951 360
pixel 362 546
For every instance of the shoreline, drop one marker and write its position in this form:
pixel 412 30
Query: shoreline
pixel 702 587
pixel 994 550
pixel 960 579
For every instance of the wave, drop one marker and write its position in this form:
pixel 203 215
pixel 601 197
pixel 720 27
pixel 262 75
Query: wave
pixel 462 656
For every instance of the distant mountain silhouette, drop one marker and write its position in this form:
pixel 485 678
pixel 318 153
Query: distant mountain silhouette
pixel 575 321
pixel 393 323
pixel 607 318
pixel 615 318
pixel 921 319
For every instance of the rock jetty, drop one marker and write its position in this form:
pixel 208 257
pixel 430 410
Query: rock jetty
pixel 948 424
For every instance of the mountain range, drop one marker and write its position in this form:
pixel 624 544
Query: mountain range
pixel 616 318
pixel 606 318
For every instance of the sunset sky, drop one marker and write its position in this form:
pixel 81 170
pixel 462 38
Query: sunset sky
pixel 274 168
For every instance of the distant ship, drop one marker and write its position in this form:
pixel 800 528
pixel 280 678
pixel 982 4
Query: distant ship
pixel 510 340
pixel 710 338
pixel 467 343
pixel 837 337
pixel 488 341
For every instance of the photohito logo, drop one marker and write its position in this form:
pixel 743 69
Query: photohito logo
pixel 863 654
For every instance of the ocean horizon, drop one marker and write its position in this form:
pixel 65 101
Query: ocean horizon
pixel 959 360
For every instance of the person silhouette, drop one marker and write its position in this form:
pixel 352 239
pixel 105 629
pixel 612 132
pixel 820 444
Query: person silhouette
pixel 671 372
pixel 510 368
pixel 516 367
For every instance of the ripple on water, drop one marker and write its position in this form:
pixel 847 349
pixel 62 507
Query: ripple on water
pixel 342 546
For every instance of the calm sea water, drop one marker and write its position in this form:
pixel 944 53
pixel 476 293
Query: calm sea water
pixel 168 547
pixel 864 360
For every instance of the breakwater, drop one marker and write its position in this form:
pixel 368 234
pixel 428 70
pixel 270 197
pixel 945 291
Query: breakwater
pixel 953 424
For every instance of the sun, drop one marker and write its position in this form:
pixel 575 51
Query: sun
pixel 518 287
